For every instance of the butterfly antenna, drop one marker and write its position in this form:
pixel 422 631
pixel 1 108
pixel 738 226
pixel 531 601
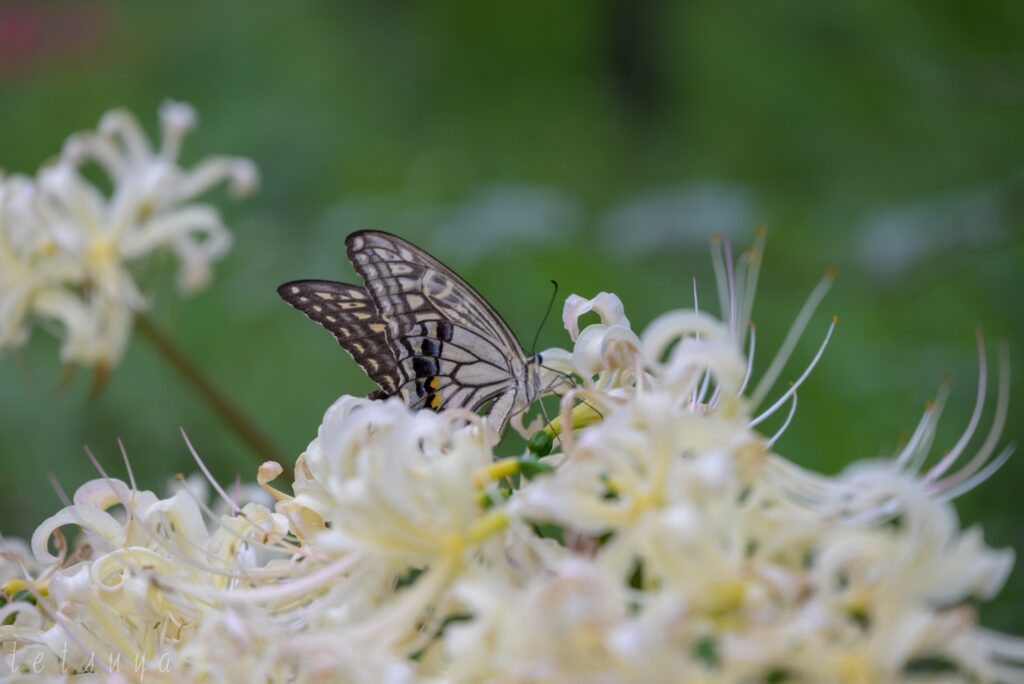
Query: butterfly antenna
pixel 554 293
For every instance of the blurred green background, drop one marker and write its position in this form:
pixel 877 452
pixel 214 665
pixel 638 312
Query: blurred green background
pixel 598 143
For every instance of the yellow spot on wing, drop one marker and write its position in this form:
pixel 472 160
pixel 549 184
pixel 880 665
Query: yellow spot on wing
pixel 377 327
pixel 435 402
pixel 434 383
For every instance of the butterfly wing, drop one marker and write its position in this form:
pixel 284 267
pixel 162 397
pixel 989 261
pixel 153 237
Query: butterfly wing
pixel 350 314
pixel 451 347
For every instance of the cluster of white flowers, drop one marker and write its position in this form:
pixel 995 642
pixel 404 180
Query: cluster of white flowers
pixel 67 245
pixel 661 540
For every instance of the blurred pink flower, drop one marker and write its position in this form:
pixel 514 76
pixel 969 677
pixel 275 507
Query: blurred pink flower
pixel 32 34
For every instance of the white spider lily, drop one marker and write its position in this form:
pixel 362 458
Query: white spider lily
pixel 247 645
pixel 689 496
pixel 397 490
pixel 663 541
pixel 400 482
pixel 115 596
pixel 598 348
pixel 67 249
pixel 151 205
pixel 31 263
pixel 555 629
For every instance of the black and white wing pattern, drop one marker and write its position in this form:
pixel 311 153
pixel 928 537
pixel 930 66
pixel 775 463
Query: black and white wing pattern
pixel 348 312
pixel 452 348
pixel 420 331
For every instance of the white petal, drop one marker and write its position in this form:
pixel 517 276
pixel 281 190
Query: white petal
pixel 608 306
pixel 89 518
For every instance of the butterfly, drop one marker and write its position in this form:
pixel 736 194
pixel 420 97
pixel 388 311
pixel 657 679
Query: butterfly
pixel 420 331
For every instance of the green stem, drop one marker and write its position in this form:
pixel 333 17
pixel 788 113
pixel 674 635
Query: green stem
pixel 244 428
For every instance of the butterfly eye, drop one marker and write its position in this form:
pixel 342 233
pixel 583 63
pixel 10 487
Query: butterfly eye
pixel 538 359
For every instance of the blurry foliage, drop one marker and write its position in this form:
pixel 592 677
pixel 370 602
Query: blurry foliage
pixel 825 120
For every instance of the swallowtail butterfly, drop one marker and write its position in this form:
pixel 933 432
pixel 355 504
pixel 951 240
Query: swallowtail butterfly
pixel 420 331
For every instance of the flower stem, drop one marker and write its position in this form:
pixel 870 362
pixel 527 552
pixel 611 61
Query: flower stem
pixel 234 417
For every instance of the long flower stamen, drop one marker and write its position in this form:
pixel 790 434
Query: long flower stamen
pixel 915 451
pixel 235 509
pixel 803 376
pixel 995 432
pixel 979 405
pixel 721 279
pixel 954 488
pixel 789 418
pixel 730 279
pixel 698 394
pixel 796 330
pixel 754 258
pixel 751 348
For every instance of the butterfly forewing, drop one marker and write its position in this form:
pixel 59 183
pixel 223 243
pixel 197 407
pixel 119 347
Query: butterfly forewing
pixel 410 286
pixel 350 314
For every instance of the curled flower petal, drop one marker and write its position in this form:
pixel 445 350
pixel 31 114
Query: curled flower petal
pixel 90 518
pixel 606 305
pixel 597 346
pixel 102 493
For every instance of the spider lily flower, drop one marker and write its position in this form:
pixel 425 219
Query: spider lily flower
pixel 683 495
pixel 557 628
pixel 701 360
pixel 397 483
pixel 247 645
pixel 68 249
pixel 113 598
pixel 663 540
pixel 599 350
pixel 398 491
pixel 30 261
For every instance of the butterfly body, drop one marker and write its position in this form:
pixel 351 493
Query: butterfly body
pixel 420 331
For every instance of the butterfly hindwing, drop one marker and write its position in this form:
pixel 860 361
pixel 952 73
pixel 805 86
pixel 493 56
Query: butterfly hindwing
pixel 350 314
pixel 443 370
pixel 451 347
